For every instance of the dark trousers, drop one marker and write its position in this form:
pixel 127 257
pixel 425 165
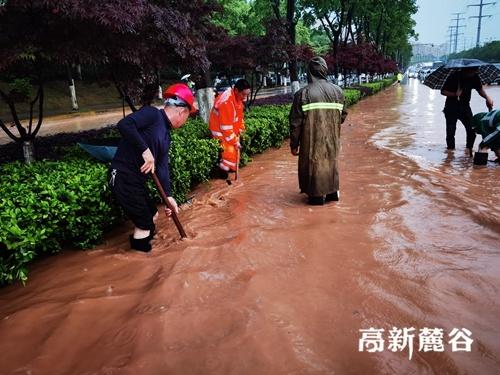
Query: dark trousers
pixel 464 114
pixel 133 196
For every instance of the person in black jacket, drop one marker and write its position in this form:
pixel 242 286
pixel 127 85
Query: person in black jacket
pixel 144 149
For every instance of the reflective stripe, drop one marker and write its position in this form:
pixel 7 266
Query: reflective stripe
pixel 490 117
pixel 226 127
pixel 216 134
pixel 229 163
pixel 222 166
pixel 310 106
pixel 490 136
pixel 232 136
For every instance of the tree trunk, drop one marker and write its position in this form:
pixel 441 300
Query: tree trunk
pixel 28 152
pixel 290 15
pixel 205 98
pixel 160 90
pixel 72 89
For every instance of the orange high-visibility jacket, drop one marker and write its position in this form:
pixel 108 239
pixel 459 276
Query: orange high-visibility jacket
pixel 226 118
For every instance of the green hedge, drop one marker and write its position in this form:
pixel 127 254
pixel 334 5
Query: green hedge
pixel 266 127
pixel 351 96
pixel 49 205
pixel 379 85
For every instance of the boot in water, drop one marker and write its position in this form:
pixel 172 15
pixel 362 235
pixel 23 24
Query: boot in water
pixel 140 244
pixel 332 197
pixel 316 201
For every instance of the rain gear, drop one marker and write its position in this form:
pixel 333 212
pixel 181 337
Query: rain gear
pixel 226 124
pixel 488 125
pixel 315 118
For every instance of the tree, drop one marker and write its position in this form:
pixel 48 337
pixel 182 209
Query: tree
pixel 289 22
pixel 134 38
pixel 385 23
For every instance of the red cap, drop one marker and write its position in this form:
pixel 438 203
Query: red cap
pixel 181 91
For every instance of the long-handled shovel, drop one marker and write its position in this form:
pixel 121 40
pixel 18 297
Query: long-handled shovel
pixel 164 197
pixel 237 172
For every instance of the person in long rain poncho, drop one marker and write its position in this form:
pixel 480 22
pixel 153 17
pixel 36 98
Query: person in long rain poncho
pixel 315 118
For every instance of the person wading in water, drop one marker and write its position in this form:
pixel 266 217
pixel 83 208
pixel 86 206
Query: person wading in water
pixel 315 118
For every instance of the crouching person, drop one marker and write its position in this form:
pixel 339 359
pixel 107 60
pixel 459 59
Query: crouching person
pixel 144 149
pixel 488 125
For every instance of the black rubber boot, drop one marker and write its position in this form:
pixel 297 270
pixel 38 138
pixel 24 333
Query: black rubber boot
pixel 152 232
pixel 140 244
pixel 222 174
pixel 316 201
pixel 332 197
pixel 480 158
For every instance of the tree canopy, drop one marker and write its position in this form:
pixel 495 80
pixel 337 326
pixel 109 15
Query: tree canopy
pixel 133 40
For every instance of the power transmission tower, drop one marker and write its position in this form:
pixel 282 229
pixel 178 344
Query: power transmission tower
pixel 481 15
pixel 456 27
pixel 450 34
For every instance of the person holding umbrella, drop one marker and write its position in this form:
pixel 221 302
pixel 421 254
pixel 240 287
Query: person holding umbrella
pixel 458 89
pixel 456 80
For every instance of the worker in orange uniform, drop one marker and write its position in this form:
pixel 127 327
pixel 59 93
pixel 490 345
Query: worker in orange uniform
pixel 226 124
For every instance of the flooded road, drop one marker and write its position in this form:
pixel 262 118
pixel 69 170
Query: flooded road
pixel 268 285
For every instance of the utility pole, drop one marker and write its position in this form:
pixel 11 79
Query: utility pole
pixel 450 32
pixel 481 15
pixel 456 27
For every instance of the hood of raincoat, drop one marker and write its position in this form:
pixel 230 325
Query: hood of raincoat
pixel 317 69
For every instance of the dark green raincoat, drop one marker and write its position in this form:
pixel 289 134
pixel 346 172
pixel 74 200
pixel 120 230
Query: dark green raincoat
pixel 315 118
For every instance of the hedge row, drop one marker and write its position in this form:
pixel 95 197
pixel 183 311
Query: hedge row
pixel 49 205
pixel 379 85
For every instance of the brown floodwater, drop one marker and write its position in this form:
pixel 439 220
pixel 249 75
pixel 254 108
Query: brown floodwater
pixel 268 285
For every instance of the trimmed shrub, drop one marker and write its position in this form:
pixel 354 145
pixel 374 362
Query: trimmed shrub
pixel 351 96
pixel 48 205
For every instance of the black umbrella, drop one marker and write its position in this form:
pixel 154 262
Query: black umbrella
pixel 488 73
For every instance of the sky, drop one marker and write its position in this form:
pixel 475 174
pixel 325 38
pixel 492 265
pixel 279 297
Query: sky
pixel 434 17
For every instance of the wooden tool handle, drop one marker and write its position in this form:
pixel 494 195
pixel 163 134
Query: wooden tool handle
pixel 164 197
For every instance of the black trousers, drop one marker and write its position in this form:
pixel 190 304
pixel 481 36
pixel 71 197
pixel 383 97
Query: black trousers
pixel 133 196
pixel 452 115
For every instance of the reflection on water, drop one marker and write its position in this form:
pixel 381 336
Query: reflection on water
pixel 420 131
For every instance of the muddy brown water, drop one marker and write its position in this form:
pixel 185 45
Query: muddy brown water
pixel 268 285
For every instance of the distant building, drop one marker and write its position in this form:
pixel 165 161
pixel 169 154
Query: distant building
pixel 428 52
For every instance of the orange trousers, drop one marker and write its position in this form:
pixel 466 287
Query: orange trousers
pixel 229 157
